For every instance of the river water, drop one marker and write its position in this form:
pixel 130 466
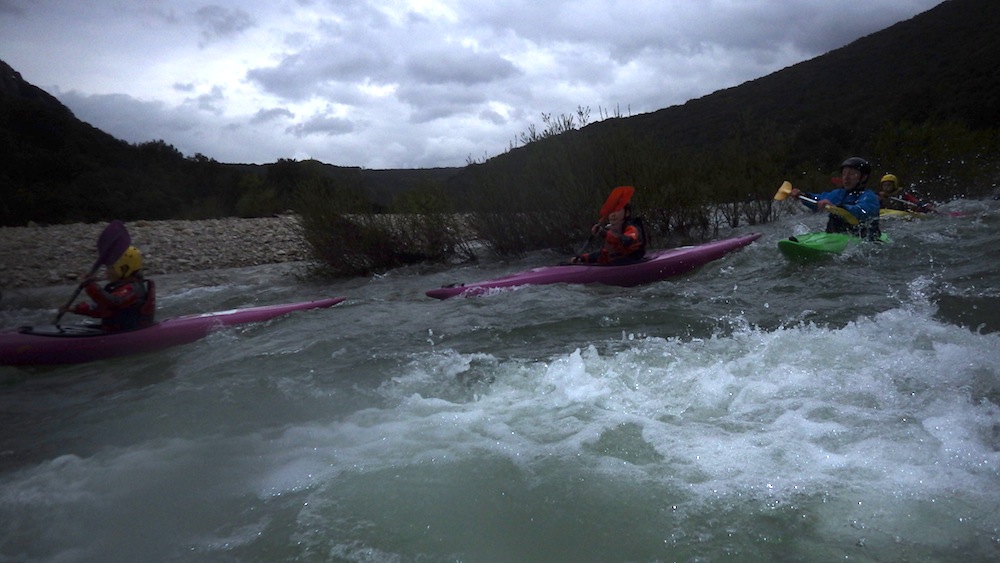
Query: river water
pixel 754 410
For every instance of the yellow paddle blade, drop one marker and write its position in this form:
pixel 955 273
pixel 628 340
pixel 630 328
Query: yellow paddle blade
pixel 843 214
pixel 783 191
pixel 786 189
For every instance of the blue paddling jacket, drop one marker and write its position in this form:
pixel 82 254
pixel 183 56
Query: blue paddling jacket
pixel 861 202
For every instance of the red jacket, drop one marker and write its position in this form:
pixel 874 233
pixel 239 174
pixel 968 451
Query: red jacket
pixel 121 305
pixel 627 246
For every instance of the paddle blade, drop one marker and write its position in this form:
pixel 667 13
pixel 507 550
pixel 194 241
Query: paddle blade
pixel 619 197
pixel 783 191
pixel 843 214
pixel 112 243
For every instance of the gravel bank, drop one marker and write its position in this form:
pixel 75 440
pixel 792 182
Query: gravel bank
pixel 59 254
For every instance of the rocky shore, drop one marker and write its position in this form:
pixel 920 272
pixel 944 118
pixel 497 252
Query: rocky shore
pixel 59 254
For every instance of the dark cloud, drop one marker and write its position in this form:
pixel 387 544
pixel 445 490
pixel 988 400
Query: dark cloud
pixel 13 7
pixel 321 125
pixel 129 119
pixel 304 75
pixel 217 22
pixel 492 117
pixel 213 102
pixel 460 66
pixel 272 114
pixel 427 102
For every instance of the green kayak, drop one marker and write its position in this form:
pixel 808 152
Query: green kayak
pixel 811 246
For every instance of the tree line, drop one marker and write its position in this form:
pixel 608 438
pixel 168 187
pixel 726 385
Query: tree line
pixel 547 197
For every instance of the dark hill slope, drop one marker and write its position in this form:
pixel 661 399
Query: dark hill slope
pixel 42 133
pixel 940 64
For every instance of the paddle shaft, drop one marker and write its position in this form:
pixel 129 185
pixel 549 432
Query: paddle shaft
pixel 79 288
pixel 901 200
pixel 786 189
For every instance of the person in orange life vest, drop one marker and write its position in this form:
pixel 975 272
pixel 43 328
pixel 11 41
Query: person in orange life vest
pixel 624 239
pixel 892 197
pixel 127 302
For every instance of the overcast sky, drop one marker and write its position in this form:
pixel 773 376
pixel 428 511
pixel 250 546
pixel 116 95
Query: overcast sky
pixel 401 83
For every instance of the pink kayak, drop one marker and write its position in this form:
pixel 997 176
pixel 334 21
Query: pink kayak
pixel 654 267
pixel 57 344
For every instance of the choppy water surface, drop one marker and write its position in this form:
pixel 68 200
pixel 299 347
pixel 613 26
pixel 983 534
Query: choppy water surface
pixel 753 410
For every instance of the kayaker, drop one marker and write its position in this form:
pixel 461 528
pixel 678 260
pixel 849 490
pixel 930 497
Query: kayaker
pixel 891 196
pixel 853 196
pixel 127 302
pixel 624 238
pixel 889 189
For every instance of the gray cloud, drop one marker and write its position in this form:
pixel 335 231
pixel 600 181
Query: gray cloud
pixel 272 114
pixel 459 66
pixel 130 119
pixel 217 22
pixel 303 75
pixel 14 7
pixel 322 125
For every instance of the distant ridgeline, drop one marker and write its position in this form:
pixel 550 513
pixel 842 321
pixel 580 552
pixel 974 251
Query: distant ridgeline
pixel 925 105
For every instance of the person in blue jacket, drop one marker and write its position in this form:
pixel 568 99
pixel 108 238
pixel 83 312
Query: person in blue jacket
pixel 852 195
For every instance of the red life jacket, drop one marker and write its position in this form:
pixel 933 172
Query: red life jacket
pixel 121 305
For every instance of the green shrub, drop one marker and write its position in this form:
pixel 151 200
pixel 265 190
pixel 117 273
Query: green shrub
pixel 350 240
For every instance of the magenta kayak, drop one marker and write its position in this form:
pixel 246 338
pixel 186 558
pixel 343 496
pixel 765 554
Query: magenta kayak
pixel 52 344
pixel 654 267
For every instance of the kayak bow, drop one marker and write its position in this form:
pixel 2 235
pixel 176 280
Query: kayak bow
pixel 810 246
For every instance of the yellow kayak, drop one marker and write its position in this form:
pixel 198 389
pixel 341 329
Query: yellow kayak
pixel 901 214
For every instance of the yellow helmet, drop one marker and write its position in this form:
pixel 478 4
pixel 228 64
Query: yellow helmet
pixel 895 183
pixel 129 263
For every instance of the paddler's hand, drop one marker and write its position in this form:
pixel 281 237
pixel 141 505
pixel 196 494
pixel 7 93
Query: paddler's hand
pixel 795 192
pixel 823 204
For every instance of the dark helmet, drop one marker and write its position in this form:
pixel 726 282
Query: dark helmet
pixel 858 164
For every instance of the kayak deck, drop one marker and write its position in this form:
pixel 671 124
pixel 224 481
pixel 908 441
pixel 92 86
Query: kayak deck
pixel 55 344
pixel 812 246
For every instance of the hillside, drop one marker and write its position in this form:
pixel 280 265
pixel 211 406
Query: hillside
pixel 941 64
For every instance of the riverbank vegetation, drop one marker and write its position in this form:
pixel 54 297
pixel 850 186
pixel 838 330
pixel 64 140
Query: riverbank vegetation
pixel 550 196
